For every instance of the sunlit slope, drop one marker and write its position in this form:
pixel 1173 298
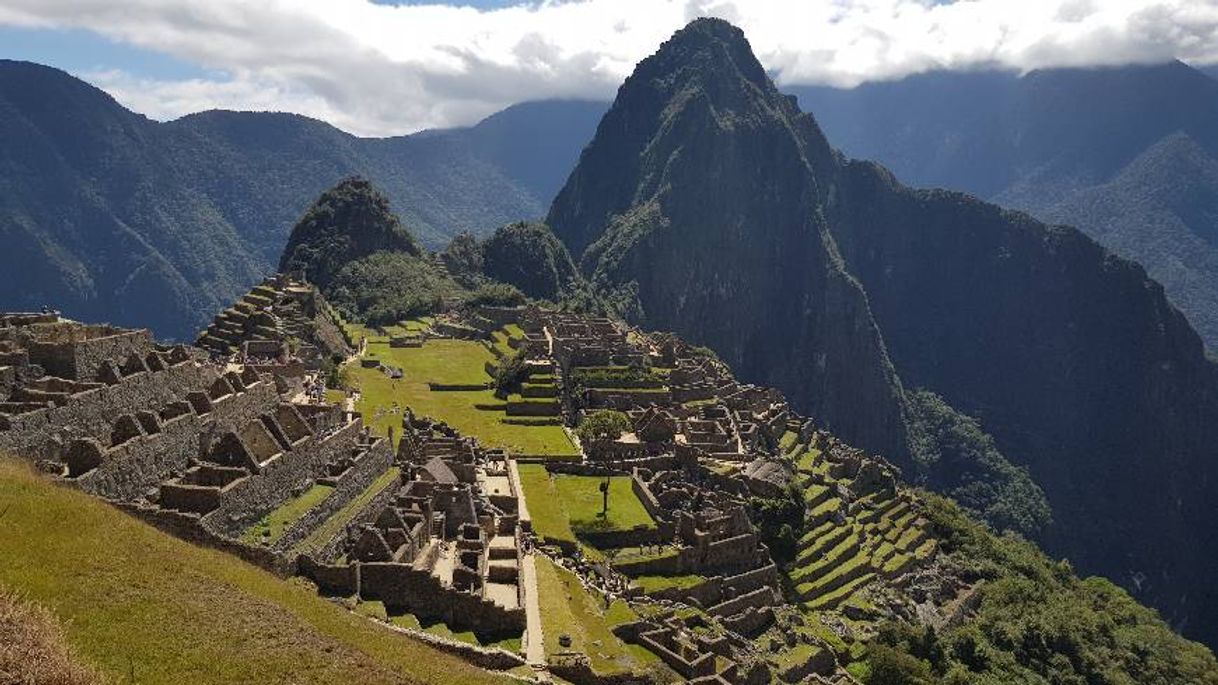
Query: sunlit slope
pixel 141 606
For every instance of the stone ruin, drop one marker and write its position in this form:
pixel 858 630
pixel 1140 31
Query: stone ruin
pixel 282 327
pixel 443 543
pixel 207 443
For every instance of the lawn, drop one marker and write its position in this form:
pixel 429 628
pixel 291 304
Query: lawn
pixel 545 507
pixel 651 584
pixel 581 496
pixel 273 525
pixel 141 606
pixel 569 609
pixel 562 506
pixel 452 362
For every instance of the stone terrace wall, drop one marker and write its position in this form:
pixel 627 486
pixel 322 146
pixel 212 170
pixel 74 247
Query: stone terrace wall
pixel 355 480
pixel 45 433
pixel 78 352
pixel 249 500
pixel 422 594
pixel 145 461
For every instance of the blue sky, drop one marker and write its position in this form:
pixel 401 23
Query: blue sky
pixel 82 51
pixel 375 67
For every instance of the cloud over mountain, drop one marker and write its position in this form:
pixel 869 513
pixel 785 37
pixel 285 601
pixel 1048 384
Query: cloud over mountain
pixel 381 69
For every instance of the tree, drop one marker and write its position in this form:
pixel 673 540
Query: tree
pixel 605 424
pixel 511 373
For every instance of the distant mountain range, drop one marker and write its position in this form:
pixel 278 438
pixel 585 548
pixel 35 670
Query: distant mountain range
pixel 710 205
pixel 1129 155
pixel 111 216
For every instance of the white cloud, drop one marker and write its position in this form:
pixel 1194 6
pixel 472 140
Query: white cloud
pixel 380 70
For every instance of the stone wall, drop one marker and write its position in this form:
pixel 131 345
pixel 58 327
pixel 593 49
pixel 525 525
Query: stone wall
pixel 422 594
pixel 334 547
pixel 79 352
pixel 46 433
pixel 129 470
pixel 278 481
pixel 367 468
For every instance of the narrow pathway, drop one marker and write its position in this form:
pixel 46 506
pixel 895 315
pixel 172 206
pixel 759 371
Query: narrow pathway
pixel 535 646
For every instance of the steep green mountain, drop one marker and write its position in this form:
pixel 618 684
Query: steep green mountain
pixel 529 256
pixel 356 250
pixel 349 222
pixel 710 205
pixel 1126 154
pixel 108 215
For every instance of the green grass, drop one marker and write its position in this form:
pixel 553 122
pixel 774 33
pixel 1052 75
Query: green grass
pixel 796 656
pixel 581 497
pixel 561 506
pixel 451 362
pixel 808 460
pixel 787 441
pixel 568 609
pixel 377 610
pixel 651 584
pixel 273 525
pixel 141 606
pixel 328 529
pixel 545 506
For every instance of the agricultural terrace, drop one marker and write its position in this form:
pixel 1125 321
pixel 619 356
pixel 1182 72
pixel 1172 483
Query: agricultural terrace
pixel 477 413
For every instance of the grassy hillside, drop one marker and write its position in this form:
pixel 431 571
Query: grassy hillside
pixel 141 606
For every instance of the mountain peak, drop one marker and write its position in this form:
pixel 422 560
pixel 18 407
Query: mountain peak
pixel 706 47
pixel 348 222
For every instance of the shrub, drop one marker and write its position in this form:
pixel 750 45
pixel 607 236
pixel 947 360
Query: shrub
pixel 605 424
pixel 510 374
pixel 498 295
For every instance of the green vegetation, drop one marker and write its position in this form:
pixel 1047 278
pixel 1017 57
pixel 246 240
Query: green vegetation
pixel 498 294
pixel 563 506
pixel 651 584
pixel 605 424
pixel 611 377
pixel 273 525
pixel 530 257
pixel 1037 622
pixel 510 373
pixel 346 223
pixel 141 606
pixel 449 362
pixel 569 609
pixel 582 501
pixel 780 520
pixel 386 287
pixel 955 456
pixel 328 529
pixel 550 520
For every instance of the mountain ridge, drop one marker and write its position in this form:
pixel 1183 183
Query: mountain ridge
pixel 114 216
pixel 829 280
pixel 1067 145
